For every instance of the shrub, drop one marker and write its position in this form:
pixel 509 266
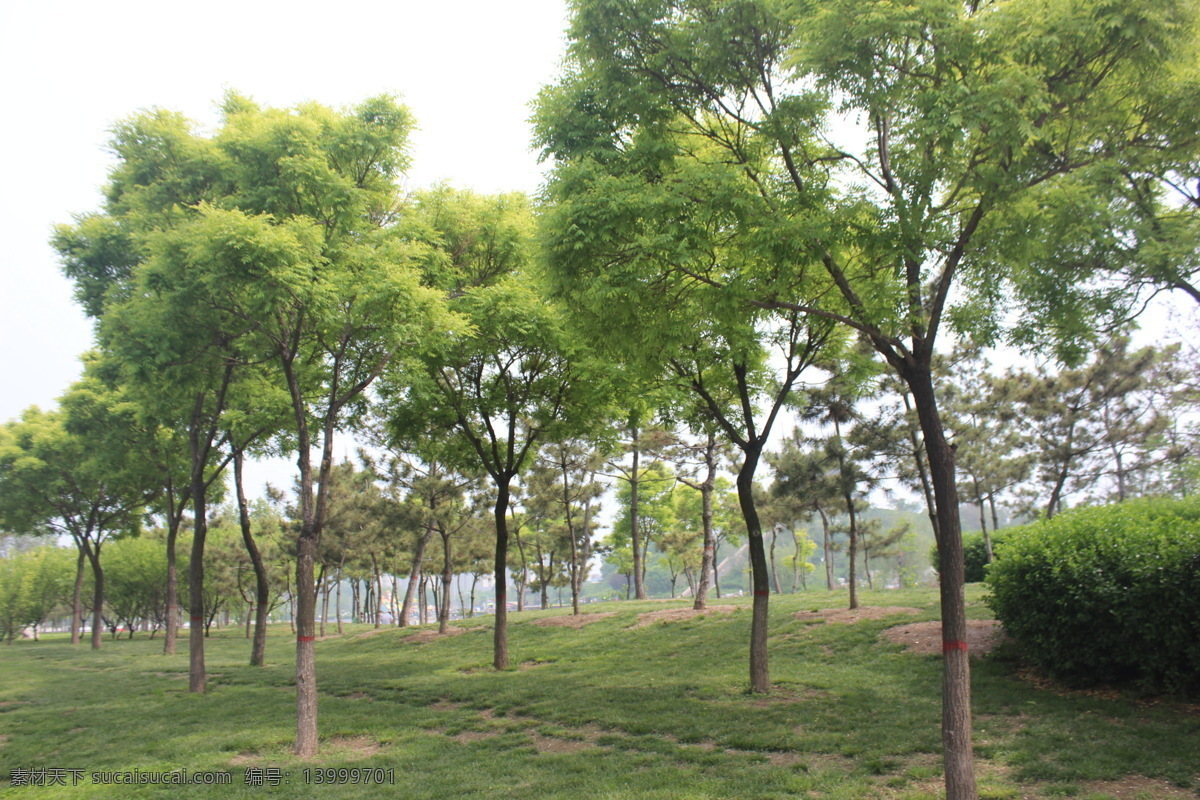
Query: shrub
pixel 1107 594
pixel 974 554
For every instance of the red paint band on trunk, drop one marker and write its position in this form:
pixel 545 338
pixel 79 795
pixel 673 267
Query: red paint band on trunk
pixel 762 594
pixel 197 619
pixel 306 638
pixel 950 646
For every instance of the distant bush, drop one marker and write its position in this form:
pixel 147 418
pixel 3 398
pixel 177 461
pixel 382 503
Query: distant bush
pixel 974 554
pixel 1107 594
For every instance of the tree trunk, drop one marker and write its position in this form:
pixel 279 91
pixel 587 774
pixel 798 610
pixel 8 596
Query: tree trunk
pixel 922 473
pixel 262 587
pixel 987 540
pixel 323 583
pixel 828 542
pixel 574 565
pixel 77 597
pixel 848 496
pixel 197 679
pixel 639 575
pixel 337 597
pixel 171 631
pixel 414 576
pixel 447 578
pixel 500 635
pixel 707 565
pixel 956 676
pixel 760 679
pixel 306 663
pixel 716 574
pixel 93 554
pixel 774 572
pixel 378 591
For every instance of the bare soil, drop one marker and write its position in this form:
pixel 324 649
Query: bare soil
pixel 849 616
pixel 572 620
pixel 1136 787
pixel 431 634
pixel 926 637
pixel 679 615
pixel 354 747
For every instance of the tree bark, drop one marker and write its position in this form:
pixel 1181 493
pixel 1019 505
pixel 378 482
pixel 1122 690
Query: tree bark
pixel 77 598
pixel 706 520
pixel 848 496
pixel 414 577
pixel 93 555
pixel 958 759
pixel 171 631
pixel 197 679
pixel 828 542
pixel 760 679
pixel 447 579
pixel 262 587
pixel 639 577
pixel 922 473
pixel 500 634
pixel 306 664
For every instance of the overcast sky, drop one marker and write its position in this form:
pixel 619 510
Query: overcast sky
pixel 69 69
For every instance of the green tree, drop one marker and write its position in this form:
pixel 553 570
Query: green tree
pixel 33 583
pixel 951 115
pixel 137 584
pixel 76 472
pixel 514 381
pixel 274 242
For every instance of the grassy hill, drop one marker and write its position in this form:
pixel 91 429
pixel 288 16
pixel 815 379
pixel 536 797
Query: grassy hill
pixel 613 709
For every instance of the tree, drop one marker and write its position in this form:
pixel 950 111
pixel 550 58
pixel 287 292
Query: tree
pixel 952 113
pixel 504 389
pixel 566 472
pixel 1088 426
pixel 76 472
pixel 516 380
pixel 133 268
pixel 32 584
pixel 136 584
pixel 274 240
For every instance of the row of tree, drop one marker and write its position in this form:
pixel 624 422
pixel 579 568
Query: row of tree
pixel 748 199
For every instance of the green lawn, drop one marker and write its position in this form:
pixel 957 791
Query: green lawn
pixel 605 711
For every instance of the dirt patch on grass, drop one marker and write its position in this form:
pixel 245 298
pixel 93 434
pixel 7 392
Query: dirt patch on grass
pixel 245 757
pixel 528 665
pixel 849 616
pixel 552 744
pixel 1137 787
pixel 354 746
pixel 926 637
pixel 431 634
pixel 679 615
pixel 374 631
pixel 359 696
pixel 575 621
pixel 473 736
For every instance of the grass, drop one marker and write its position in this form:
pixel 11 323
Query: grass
pixel 605 711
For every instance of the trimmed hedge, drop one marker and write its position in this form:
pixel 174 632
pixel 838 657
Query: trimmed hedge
pixel 1106 595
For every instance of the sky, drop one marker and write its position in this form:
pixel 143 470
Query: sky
pixel 70 69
